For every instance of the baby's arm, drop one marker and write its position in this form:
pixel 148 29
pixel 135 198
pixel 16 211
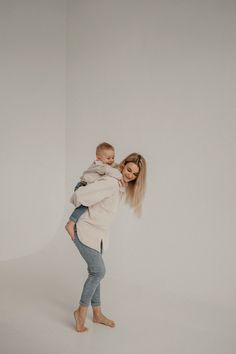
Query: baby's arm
pixel 113 172
pixel 100 169
pixel 104 169
pixel 96 170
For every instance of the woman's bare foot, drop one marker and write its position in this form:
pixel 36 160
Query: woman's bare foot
pixel 80 316
pixel 103 320
pixel 70 229
pixel 98 317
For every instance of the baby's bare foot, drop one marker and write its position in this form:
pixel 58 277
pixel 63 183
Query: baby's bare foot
pixel 103 320
pixel 80 327
pixel 70 229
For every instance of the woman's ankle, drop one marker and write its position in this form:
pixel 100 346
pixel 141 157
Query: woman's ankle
pixel 82 309
pixel 97 310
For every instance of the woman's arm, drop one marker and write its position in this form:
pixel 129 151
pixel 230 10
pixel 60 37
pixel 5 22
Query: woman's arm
pixel 94 192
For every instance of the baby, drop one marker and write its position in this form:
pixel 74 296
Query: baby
pixel 103 165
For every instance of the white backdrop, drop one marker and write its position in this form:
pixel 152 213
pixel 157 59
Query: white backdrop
pixel 32 143
pixel 154 77
pixel 157 77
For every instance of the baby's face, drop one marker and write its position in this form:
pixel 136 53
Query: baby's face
pixel 107 156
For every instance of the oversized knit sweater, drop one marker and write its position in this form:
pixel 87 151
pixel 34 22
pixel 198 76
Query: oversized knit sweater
pixel 102 198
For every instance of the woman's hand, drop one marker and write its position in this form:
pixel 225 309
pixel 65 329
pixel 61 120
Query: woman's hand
pixel 123 183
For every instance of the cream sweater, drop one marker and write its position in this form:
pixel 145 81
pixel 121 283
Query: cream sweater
pixel 102 198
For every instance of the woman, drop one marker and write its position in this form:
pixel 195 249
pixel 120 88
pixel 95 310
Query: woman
pixel 102 198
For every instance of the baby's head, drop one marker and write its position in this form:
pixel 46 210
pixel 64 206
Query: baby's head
pixel 105 153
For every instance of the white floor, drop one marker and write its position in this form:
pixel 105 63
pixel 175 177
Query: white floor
pixel 40 292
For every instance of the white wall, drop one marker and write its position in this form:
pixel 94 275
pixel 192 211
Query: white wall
pixel 157 77
pixel 32 142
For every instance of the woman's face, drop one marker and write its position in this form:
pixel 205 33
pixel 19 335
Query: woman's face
pixel 130 172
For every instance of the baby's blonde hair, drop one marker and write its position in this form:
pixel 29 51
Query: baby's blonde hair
pixel 103 146
pixel 135 190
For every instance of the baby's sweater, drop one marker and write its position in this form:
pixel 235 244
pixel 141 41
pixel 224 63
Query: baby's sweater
pixel 98 169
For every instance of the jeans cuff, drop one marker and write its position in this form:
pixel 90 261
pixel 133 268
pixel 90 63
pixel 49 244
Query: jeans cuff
pixel 83 304
pixel 93 304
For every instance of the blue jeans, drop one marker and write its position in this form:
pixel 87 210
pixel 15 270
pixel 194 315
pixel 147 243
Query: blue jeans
pixel 81 209
pixel 96 272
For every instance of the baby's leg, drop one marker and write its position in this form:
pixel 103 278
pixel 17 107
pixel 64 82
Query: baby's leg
pixel 70 226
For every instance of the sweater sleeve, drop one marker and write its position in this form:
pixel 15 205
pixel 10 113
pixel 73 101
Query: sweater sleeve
pixel 95 192
pixel 99 168
pixel 113 172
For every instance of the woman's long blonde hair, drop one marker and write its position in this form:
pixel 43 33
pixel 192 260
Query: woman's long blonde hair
pixel 136 189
